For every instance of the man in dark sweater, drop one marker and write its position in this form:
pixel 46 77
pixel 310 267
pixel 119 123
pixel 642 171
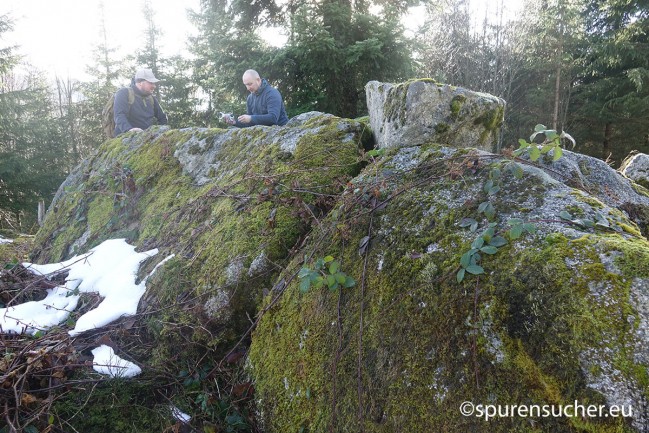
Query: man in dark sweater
pixel 135 107
pixel 264 105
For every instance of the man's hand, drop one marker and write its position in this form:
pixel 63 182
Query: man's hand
pixel 245 118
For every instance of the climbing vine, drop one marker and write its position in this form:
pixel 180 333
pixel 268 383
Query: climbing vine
pixel 492 238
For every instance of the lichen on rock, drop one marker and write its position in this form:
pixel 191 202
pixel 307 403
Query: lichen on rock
pixel 420 111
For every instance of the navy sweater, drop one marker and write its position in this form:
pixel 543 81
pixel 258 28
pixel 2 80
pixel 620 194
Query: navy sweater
pixel 265 106
pixel 139 115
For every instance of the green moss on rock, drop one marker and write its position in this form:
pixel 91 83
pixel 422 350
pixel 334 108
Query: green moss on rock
pixel 520 334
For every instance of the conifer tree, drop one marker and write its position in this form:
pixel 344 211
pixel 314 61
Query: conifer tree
pixel 612 100
pixel 33 157
pixel 106 73
pixel 224 49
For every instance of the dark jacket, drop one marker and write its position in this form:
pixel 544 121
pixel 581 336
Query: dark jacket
pixel 140 114
pixel 265 106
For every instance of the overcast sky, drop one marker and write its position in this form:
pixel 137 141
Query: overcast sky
pixel 58 36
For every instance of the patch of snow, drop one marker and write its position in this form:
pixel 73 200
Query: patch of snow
pixel 180 415
pixel 5 241
pixel 31 317
pixel 106 362
pixel 110 269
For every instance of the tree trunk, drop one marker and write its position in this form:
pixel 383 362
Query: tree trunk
pixel 606 145
pixel 557 96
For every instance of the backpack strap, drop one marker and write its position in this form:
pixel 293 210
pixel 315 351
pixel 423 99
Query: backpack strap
pixel 131 96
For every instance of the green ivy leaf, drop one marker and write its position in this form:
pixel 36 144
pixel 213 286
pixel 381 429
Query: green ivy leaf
pixel 517 170
pixel 305 285
pixel 490 212
pixel 515 232
pixel 328 259
pixel 333 267
pixel 565 215
pixel 587 223
pixel 489 250
pixel 488 185
pixel 557 153
pixel 498 241
pixel 488 234
pixel 465 260
pixel 466 222
pixel 349 282
pixel 535 153
pixel 340 277
pixel 375 152
pixel 304 272
pixel 477 243
pixel 551 135
pixel 475 270
pixel 529 227
pixel 460 275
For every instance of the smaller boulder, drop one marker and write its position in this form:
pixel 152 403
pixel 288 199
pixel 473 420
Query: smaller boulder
pixel 423 111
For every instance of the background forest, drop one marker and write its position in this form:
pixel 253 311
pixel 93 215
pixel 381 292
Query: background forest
pixel 576 65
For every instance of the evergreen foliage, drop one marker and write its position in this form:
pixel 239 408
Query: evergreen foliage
pixel 32 156
pixel 611 107
pixel 333 50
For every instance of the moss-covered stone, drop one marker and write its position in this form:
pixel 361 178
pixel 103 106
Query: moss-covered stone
pixel 554 317
pixel 422 110
pixel 557 315
pixel 231 228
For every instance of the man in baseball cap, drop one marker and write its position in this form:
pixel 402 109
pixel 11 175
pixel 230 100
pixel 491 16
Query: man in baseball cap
pixel 135 106
pixel 146 75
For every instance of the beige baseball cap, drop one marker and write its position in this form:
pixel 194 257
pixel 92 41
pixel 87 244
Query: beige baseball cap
pixel 146 74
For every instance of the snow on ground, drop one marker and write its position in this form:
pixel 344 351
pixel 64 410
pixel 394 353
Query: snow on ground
pixel 106 362
pixel 110 269
pixel 5 241
pixel 180 415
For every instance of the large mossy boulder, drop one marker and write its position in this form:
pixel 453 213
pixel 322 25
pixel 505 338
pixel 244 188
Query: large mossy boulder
pixel 479 279
pixel 230 205
pixel 424 111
